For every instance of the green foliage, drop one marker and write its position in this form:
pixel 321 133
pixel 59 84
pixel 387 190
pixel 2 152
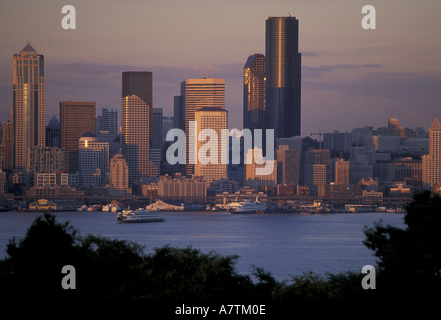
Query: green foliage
pixel 35 262
pixel 307 287
pixel 410 258
pixel 108 269
pixel 184 274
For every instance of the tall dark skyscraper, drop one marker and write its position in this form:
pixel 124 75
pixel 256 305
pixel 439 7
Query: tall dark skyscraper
pixel 179 112
pixel 254 92
pixel 138 83
pixel 283 76
pixel 157 128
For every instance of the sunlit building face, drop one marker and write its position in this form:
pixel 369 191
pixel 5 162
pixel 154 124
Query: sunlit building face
pixel 29 95
pixel 283 76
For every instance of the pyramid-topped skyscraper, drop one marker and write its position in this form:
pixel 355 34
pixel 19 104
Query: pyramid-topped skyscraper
pixel 28 103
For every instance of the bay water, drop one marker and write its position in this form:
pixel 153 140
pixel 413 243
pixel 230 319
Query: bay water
pixel 284 244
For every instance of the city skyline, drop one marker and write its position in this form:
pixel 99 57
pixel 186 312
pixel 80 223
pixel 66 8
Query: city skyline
pixel 367 74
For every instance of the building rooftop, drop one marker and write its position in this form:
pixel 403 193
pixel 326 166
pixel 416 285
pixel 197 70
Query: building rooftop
pixel 28 48
pixel 54 123
pixel 435 124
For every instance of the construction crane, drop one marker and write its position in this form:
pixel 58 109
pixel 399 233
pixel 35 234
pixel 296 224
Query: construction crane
pixel 320 137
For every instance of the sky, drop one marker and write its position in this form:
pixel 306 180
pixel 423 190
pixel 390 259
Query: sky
pixel 351 77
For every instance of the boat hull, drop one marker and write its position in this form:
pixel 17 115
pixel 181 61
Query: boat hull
pixel 139 217
pixel 249 208
pixel 143 220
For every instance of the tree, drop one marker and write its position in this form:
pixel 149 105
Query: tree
pixel 183 274
pixel 34 264
pixel 410 258
pixel 114 270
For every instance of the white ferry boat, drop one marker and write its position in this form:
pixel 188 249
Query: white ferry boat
pixel 139 215
pixel 249 207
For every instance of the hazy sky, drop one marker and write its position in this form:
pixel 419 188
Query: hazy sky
pixel 351 77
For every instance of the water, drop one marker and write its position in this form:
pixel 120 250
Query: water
pixel 283 244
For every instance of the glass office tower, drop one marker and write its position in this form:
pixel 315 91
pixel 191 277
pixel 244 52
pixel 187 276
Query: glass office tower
pixel 283 76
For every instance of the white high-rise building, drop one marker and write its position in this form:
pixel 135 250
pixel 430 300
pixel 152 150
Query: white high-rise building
pixel 212 118
pixel 197 94
pixel 432 162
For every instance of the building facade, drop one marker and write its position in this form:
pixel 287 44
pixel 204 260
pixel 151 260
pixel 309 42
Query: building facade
pixel 253 164
pixel 181 187
pixel 136 124
pixel 197 94
pixel 254 92
pixel 287 165
pixel 53 133
pixel 76 118
pixel 8 144
pixel 216 119
pixel 136 138
pixel 432 162
pixel 342 170
pixel 28 103
pixel 45 160
pixel 118 176
pixel 283 76
pixel 109 121
pixel 93 161
pixel 157 128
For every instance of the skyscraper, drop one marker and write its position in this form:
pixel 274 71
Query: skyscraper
pixel 136 137
pixel 157 128
pixel 136 123
pixel 317 157
pixel 109 121
pixel 8 143
pixel 28 103
pixel 254 92
pixel 53 133
pixel 197 94
pixel 45 160
pixel 432 161
pixel 119 172
pixel 213 118
pixel 179 112
pixel 342 172
pixel 283 76
pixel 138 83
pixel 93 160
pixel 287 165
pixel 76 118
